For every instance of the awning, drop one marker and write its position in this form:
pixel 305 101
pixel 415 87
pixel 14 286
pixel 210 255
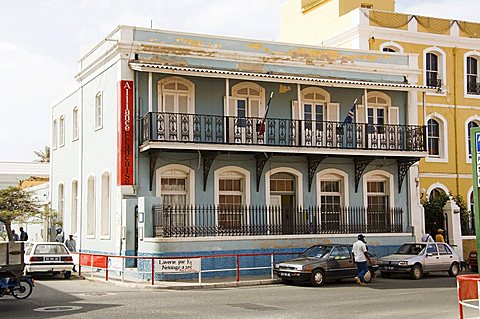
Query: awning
pixel 151 67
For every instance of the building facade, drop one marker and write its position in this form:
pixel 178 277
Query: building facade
pixel 448 59
pixel 186 144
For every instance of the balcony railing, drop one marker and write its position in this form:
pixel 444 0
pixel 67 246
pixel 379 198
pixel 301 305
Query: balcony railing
pixel 169 221
pixel 473 88
pixel 215 129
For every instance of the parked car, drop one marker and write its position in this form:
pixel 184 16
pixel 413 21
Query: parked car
pixel 472 261
pixel 320 263
pixel 417 259
pixel 48 257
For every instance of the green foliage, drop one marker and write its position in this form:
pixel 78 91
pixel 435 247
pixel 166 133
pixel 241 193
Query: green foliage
pixel 16 205
pixel 434 217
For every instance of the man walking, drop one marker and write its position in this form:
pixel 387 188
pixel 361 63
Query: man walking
pixel 72 246
pixel 359 250
pixel 23 235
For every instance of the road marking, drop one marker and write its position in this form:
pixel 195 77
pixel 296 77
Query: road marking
pixel 58 308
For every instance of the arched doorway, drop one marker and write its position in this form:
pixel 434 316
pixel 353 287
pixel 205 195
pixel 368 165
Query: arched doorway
pixel 283 199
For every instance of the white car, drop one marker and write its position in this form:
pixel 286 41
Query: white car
pixel 48 257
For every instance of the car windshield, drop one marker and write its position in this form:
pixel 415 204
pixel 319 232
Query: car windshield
pixel 50 249
pixel 411 249
pixel 317 251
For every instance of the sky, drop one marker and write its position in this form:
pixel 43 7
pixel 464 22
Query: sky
pixel 41 42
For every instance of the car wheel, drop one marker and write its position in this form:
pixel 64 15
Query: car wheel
pixel 454 269
pixel 369 276
pixel 67 274
pixel 416 272
pixel 317 278
pixel 386 274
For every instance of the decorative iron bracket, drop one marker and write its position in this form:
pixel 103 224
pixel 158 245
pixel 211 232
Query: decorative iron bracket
pixel 313 162
pixel 153 158
pixel 404 165
pixel 360 165
pixel 261 160
pixel 208 158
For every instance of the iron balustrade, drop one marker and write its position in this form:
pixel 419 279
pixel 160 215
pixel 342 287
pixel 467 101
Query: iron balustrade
pixel 217 129
pixel 203 221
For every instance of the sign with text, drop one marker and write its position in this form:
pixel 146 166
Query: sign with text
pixel 187 265
pixel 125 121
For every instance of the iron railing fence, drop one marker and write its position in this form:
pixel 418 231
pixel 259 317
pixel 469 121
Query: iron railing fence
pixel 203 221
pixel 216 129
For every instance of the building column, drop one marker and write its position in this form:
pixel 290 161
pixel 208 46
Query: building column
pixel 454 231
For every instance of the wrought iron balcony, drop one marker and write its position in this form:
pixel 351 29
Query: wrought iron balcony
pixel 215 129
pixel 190 221
pixel 473 88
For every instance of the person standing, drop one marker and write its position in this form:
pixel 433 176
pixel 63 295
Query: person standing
pixel 439 237
pixel 15 236
pixel 59 237
pixel 23 235
pixel 71 246
pixel 427 237
pixel 360 254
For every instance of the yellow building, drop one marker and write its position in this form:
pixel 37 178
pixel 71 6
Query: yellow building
pixel 448 57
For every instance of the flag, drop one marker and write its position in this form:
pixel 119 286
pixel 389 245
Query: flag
pixel 350 114
pixel 261 129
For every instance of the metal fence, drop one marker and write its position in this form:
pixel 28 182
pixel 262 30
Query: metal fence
pixel 202 221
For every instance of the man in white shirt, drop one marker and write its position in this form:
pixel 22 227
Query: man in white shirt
pixel 427 237
pixel 359 251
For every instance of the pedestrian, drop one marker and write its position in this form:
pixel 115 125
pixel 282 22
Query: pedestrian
pixel 15 236
pixel 439 237
pixel 360 254
pixel 59 237
pixel 23 235
pixel 427 237
pixel 72 247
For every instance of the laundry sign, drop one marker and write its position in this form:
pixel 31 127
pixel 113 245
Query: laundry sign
pixel 186 265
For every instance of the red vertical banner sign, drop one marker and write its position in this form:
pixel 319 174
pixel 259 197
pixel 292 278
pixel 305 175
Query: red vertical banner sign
pixel 125 154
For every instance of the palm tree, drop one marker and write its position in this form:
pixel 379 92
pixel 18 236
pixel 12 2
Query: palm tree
pixel 43 156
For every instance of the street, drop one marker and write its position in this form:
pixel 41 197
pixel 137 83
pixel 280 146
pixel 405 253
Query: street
pixel 431 297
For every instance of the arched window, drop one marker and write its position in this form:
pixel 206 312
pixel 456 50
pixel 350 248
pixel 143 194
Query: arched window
pixel 61 202
pixel 433 138
pixel 391 47
pixel 175 185
pixel 105 207
pixel 61 141
pixel 332 196
pixel 231 188
pixel 472 74
pixel 98 111
pixel 75 123
pixel 435 193
pixel 176 95
pixel 378 186
pixel 74 208
pixel 314 107
pixel 437 138
pixel 434 67
pixel 248 101
pixel 471 122
pixel 91 207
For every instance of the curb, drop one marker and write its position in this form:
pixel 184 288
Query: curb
pixel 185 286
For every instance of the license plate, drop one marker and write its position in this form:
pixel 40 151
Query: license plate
pixel 388 268
pixel 285 274
pixel 52 258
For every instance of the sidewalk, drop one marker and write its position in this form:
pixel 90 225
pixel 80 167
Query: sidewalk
pixel 207 283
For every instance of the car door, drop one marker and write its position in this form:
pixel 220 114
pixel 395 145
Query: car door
pixel 432 259
pixel 340 262
pixel 446 257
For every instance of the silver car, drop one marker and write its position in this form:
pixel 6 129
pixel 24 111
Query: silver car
pixel 417 259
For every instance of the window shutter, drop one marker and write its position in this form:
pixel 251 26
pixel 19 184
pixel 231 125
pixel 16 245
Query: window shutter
pixel 169 103
pixel 393 116
pixel 182 104
pixel 254 108
pixel 232 104
pixel 295 113
pixel 333 112
pixel 360 114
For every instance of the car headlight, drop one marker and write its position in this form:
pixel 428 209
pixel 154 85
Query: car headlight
pixel 403 263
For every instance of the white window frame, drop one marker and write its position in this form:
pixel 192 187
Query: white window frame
pixel 474 118
pixel 298 187
pixel 476 55
pixel 333 174
pixel 91 208
pixel 443 142
pixel 74 208
pixel 249 85
pixel 379 175
pixel 54 134
pixel 61 131
pixel 437 185
pixel 105 206
pixel 176 171
pixel 75 130
pixel 442 68
pixel 391 45
pixel 98 116
pixel 161 92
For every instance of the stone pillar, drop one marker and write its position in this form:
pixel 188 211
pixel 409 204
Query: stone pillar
pixel 452 212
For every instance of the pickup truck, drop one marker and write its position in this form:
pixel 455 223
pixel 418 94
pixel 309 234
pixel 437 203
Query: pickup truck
pixel 11 258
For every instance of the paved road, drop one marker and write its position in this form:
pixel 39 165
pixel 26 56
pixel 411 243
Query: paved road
pixel 432 297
